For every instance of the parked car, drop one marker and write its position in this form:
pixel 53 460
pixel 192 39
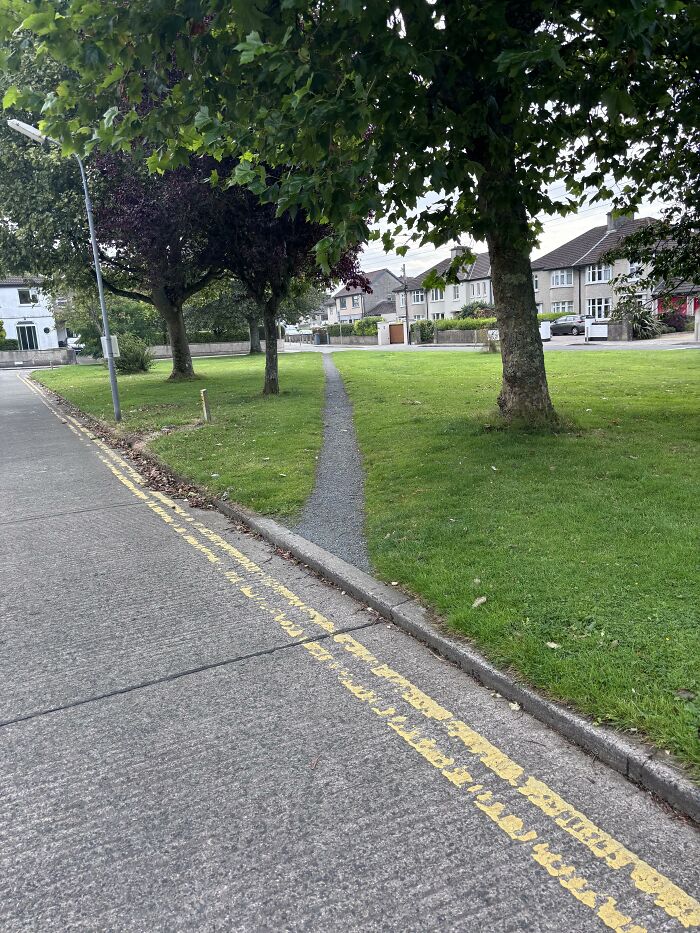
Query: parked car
pixel 572 324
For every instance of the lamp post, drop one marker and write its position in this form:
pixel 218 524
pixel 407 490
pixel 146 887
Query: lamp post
pixel 31 132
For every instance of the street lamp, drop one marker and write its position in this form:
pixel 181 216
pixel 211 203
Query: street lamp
pixel 36 136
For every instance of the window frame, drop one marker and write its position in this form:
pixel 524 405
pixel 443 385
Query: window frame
pixel 600 269
pixel 593 305
pixel 418 291
pixel 556 275
pixel 32 295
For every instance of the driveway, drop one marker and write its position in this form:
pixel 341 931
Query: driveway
pixel 198 734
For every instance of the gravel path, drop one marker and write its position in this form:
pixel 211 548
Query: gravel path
pixel 333 516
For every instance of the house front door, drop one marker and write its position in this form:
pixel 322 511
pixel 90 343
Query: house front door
pixel 26 337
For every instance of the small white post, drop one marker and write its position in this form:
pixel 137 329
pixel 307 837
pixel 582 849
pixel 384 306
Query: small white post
pixel 206 413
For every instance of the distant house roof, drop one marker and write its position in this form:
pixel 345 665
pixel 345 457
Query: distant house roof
pixel 9 281
pixel 345 290
pixel 590 246
pixel 386 306
pixel 479 269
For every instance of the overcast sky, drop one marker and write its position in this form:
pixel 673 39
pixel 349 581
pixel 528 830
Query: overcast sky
pixel 557 230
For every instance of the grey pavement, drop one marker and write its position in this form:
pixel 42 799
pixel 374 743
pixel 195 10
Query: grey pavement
pixel 334 513
pixel 176 755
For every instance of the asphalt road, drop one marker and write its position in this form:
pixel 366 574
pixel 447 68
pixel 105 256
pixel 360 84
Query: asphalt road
pixel 197 734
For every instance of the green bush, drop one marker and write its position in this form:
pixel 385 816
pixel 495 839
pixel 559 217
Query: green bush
pixel 366 326
pixel 548 317
pixel 644 324
pixel 424 331
pixel 9 344
pixel 478 309
pixel 466 323
pixel 220 335
pixel 334 330
pixel 134 355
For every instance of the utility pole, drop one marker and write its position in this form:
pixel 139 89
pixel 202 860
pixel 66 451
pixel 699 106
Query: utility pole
pixel 405 302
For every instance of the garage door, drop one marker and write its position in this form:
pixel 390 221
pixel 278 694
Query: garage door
pixel 395 333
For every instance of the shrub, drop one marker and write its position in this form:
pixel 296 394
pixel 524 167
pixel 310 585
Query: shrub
pixel 548 317
pixel 644 324
pixel 674 318
pixel 334 330
pixel 9 344
pixel 3 332
pixel 366 326
pixel 468 323
pixel 134 355
pixel 423 331
pixel 478 308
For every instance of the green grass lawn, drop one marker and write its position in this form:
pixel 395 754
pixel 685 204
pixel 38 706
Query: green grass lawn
pixel 262 451
pixel 585 544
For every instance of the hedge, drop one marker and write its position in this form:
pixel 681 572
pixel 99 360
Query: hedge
pixel 9 344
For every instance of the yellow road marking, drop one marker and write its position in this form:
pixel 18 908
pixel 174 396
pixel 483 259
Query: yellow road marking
pixel 669 897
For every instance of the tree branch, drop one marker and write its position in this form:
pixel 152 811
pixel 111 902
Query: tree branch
pixel 126 293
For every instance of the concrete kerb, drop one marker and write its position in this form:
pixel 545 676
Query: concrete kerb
pixel 638 763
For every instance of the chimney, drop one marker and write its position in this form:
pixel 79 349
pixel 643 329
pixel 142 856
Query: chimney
pixel 457 251
pixel 614 223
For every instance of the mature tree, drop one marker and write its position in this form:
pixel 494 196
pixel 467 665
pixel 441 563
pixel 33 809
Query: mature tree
pixel 376 103
pixel 225 307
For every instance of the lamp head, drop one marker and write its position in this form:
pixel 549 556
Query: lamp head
pixel 31 132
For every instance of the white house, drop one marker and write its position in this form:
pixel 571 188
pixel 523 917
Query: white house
pixel 27 317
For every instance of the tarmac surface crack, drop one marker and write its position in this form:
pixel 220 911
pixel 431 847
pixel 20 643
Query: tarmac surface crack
pixel 188 672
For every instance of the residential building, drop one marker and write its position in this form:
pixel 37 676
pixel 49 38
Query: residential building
pixel 27 316
pixel 434 304
pixel 572 279
pixel 576 279
pixel 352 303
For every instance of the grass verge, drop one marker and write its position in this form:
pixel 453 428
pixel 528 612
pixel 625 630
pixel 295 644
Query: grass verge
pixel 261 451
pixel 583 544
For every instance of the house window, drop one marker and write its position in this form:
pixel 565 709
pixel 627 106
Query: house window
pixel 437 294
pixel 455 292
pixel 536 281
pixel 598 272
pixel 402 299
pixel 27 297
pixel 418 296
pixel 356 301
pixel 478 289
pixel 561 277
pixel 26 337
pixel 539 307
pixel 343 303
pixel 562 307
pixel 438 316
pixel 598 308
pixel 636 270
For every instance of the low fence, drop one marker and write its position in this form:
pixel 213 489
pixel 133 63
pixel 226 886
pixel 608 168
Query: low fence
pixel 16 359
pixel 163 351
pixel 352 340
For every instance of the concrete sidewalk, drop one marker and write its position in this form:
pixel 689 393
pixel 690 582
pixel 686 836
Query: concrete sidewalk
pixel 196 733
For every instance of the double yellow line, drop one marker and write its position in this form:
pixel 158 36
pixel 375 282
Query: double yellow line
pixel 428 728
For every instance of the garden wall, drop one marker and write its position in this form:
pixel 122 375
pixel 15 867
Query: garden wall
pixel 14 359
pixel 354 341
pixel 163 351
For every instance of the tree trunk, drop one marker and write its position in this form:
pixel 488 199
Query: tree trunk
pixel 524 395
pixel 254 328
pixel 177 336
pixel 272 384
